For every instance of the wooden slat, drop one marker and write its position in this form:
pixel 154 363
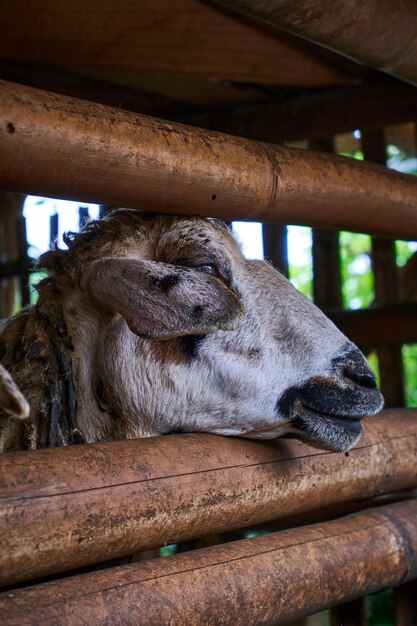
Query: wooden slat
pixel 327 294
pixel 386 285
pixel 64 508
pixel 405 602
pixel 276 246
pixel 182 37
pixel 371 33
pixel 390 324
pixel 350 614
pixel 267 580
pixel 157 165
pixel 312 115
pixel 327 284
pixel 407 280
pixel 151 95
pixel 13 252
pixel 390 359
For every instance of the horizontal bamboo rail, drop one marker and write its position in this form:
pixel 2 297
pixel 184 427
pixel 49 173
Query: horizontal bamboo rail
pixel 373 32
pixel 63 147
pixel 64 508
pixel 266 580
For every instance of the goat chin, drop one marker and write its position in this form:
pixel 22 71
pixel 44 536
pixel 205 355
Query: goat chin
pixel 149 324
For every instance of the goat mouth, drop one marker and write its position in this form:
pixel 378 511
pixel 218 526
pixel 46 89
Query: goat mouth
pixel 332 432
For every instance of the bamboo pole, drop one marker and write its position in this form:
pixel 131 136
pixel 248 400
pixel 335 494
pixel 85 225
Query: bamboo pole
pixel 267 580
pixel 369 32
pixel 69 507
pixel 63 147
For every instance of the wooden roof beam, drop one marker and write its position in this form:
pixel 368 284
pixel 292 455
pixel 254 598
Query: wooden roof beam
pixel 313 115
pixel 375 33
pixel 122 40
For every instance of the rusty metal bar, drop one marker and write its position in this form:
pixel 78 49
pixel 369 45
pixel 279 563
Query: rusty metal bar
pixel 63 147
pixel 373 32
pixel 64 508
pixel 267 580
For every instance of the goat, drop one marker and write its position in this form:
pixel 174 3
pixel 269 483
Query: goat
pixel 150 324
pixel 11 399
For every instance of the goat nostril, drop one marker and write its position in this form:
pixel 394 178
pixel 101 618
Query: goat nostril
pixel 362 378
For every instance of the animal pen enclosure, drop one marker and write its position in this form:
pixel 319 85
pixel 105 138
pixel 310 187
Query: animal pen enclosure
pixel 343 524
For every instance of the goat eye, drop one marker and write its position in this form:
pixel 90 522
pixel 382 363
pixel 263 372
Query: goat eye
pixel 207 269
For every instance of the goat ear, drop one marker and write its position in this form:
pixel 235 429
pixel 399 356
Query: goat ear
pixel 11 400
pixel 160 301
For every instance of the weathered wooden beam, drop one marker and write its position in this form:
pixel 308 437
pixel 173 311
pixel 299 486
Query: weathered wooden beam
pixel 90 152
pixel 385 325
pixel 81 84
pixel 180 38
pixel 370 33
pixel 312 115
pixel 64 508
pixel 267 580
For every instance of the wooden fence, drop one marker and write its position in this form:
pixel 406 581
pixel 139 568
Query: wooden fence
pixel 68 508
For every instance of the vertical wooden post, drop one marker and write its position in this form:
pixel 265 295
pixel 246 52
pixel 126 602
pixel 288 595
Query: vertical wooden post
pixel 389 357
pixel 24 261
pixel 276 246
pixel 53 228
pixel 11 207
pixel 405 598
pixel 327 294
pixel 349 614
pixel 327 287
pixel 386 285
pixel 83 216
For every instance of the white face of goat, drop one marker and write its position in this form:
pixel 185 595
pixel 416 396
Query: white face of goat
pixel 224 345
